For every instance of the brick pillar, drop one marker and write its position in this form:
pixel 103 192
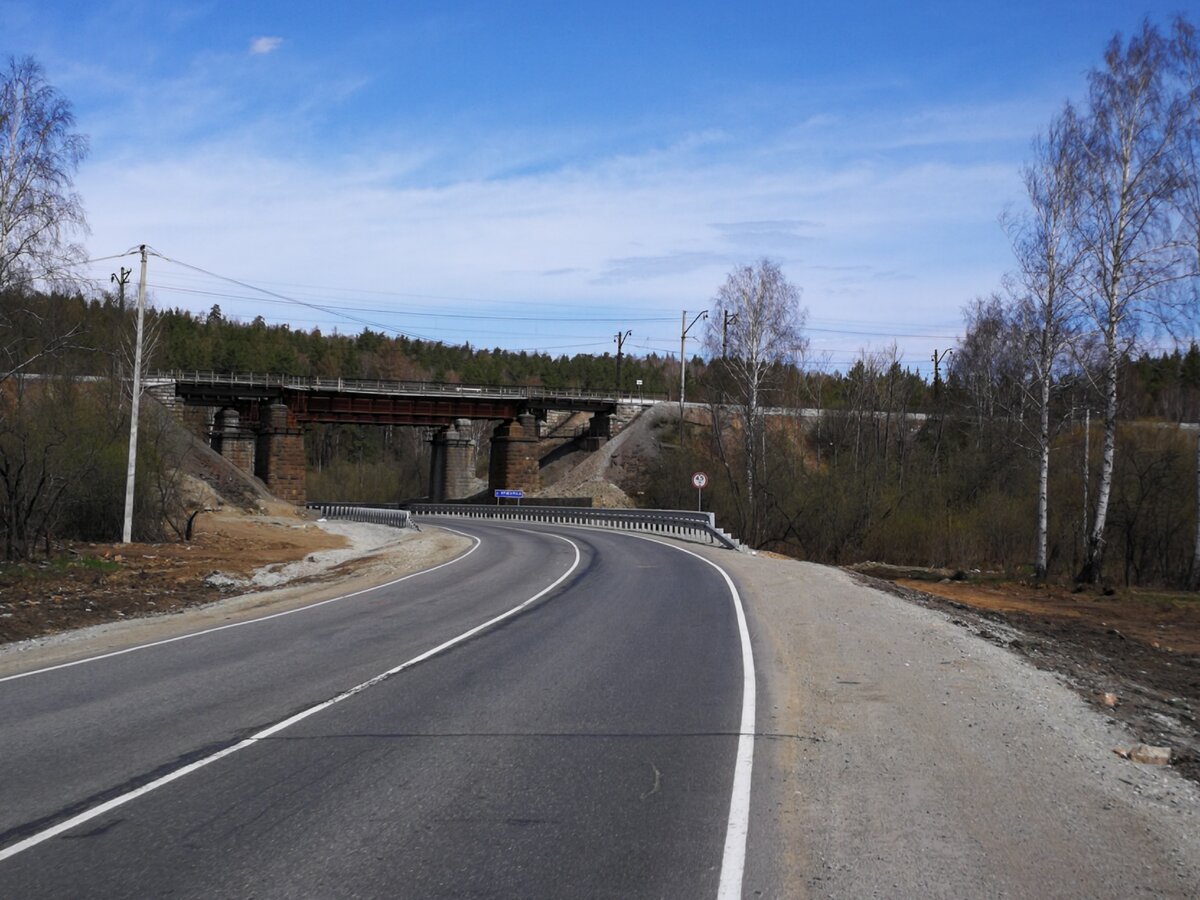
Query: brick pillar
pixel 437 466
pixel 599 431
pixel 233 441
pixel 280 458
pixel 514 462
pixel 452 463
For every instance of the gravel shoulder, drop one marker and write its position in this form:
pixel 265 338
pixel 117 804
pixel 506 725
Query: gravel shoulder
pixel 903 755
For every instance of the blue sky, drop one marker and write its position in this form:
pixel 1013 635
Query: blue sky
pixel 543 175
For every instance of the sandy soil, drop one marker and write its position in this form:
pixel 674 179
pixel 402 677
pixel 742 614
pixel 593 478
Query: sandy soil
pixel 239 565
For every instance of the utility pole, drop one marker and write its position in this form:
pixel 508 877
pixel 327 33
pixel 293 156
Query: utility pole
pixel 620 339
pixel 729 319
pixel 938 359
pixel 683 363
pixel 120 281
pixel 127 531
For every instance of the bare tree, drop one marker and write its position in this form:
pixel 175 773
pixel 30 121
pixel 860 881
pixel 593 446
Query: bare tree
pixel 40 457
pixel 756 324
pixel 1185 58
pixel 1127 185
pixel 987 364
pixel 1185 53
pixel 39 153
pixel 1048 263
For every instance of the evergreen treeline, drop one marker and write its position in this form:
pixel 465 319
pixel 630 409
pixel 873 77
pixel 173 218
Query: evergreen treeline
pixel 896 468
pixel 212 343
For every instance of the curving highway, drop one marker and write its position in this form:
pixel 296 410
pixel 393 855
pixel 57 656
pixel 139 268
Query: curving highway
pixel 550 714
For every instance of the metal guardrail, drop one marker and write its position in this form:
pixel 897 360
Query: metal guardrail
pixel 379 386
pixel 673 522
pixel 365 512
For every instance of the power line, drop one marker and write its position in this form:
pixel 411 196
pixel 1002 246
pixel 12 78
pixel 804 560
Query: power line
pixel 318 307
pixel 489 317
pixel 344 311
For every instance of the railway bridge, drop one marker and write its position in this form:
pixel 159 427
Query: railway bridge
pixel 257 422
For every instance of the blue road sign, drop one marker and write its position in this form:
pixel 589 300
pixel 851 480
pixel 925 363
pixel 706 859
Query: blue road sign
pixel 509 495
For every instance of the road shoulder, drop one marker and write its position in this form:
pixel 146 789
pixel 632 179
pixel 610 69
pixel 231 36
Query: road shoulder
pixel 900 754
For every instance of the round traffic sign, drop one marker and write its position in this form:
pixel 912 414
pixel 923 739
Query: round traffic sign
pixel 699 479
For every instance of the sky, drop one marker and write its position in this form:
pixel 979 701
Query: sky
pixel 544 176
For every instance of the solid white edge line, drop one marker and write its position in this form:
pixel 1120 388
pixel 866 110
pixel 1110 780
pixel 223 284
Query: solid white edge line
pixel 737 829
pixel 107 806
pixel 254 621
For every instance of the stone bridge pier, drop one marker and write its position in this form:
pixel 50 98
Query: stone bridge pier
pixel 233 440
pixel 599 431
pixel 271 449
pixel 515 463
pixel 279 456
pixel 452 463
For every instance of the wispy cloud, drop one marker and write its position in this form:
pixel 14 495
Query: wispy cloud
pixel 637 233
pixel 642 268
pixel 769 238
pixel 260 46
pixel 562 216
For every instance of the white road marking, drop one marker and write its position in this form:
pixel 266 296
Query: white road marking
pixel 87 816
pixel 266 618
pixel 733 862
pixel 737 829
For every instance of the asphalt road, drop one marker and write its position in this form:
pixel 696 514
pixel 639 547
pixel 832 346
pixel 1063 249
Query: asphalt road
pixel 586 745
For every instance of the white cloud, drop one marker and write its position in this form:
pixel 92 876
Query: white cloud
pixel 265 44
pixel 618 237
pixel 867 236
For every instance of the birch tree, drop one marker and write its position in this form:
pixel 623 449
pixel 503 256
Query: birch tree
pixel 756 324
pixel 1185 53
pixel 39 214
pixel 1127 185
pixel 1048 259
pixel 39 154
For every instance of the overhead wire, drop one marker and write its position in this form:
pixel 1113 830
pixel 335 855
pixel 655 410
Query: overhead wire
pixel 347 313
pixel 278 296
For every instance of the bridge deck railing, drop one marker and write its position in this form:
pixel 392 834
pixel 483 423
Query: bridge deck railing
pixel 670 522
pixel 382 386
